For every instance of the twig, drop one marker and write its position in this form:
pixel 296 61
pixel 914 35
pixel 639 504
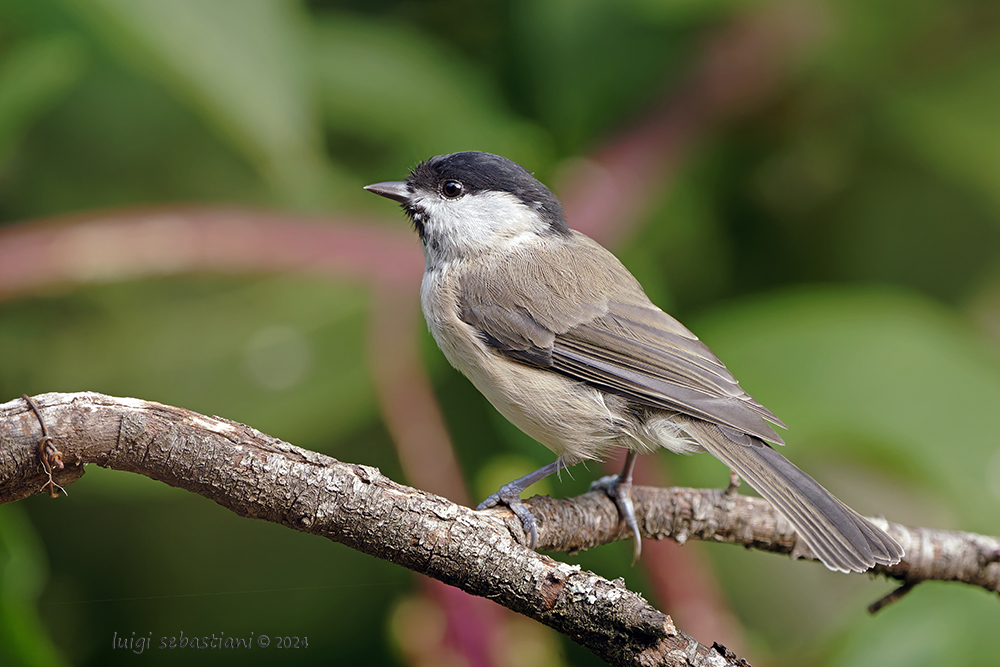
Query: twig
pixel 48 453
pixel 718 515
pixel 895 595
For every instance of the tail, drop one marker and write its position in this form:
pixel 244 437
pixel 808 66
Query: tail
pixel 841 539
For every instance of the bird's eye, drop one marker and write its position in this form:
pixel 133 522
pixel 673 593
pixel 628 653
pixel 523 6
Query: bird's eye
pixel 452 189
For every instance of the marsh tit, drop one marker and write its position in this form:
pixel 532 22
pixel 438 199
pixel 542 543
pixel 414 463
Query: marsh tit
pixel 562 340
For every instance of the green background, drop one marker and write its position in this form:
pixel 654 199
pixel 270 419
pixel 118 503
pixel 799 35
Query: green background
pixel 835 239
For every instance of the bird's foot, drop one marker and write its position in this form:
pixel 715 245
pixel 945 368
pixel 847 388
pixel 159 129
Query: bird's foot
pixel 510 495
pixel 620 491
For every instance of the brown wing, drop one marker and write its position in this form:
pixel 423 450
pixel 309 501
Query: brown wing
pixel 604 331
pixel 633 352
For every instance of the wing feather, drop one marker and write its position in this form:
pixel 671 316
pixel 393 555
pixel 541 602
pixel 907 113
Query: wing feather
pixel 670 372
pixel 603 330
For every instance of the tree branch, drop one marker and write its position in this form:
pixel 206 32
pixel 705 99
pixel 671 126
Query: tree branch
pixel 722 515
pixel 261 477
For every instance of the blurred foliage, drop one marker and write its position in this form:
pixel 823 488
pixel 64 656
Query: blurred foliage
pixel 837 244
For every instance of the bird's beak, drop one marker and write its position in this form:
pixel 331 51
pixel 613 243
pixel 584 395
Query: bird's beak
pixel 391 190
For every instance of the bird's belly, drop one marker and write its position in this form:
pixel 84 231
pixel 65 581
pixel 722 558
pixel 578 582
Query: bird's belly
pixel 569 417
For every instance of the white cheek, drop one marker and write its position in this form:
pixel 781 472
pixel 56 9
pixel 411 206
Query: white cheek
pixel 478 222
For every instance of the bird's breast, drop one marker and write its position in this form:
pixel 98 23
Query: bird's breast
pixel 570 418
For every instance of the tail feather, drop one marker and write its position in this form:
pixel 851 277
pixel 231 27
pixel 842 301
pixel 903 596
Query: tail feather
pixel 841 539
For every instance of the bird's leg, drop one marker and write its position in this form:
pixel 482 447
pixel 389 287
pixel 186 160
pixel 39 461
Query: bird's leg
pixel 619 489
pixel 510 495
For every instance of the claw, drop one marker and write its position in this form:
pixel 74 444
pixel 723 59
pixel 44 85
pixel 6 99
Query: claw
pixel 510 495
pixel 492 501
pixel 619 489
pixel 621 493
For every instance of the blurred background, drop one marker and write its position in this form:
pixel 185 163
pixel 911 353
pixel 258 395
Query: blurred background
pixel 812 186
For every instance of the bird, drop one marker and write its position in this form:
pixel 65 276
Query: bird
pixel 562 340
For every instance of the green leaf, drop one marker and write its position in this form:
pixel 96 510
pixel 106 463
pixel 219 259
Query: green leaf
pixel 586 65
pixel 399 89
pixel 33 76
pixel 241 64
pixel 23 573
pixel 951 122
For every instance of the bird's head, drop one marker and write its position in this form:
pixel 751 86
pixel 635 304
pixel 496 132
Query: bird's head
pixel 464 204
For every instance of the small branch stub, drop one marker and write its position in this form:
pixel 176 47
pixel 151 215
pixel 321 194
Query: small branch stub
pixel 48 453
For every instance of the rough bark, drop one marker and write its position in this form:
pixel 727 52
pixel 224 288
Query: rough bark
pixel 261 477
pixel 482 553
